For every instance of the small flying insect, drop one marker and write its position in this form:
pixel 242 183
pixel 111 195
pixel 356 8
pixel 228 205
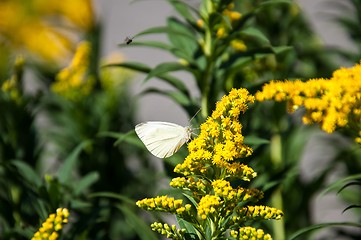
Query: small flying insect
pixel 128 40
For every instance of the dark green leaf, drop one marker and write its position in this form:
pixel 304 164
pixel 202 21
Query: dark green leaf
pixel 112 195
pixel 151 44
pixel 282 49
pixel 27 172
pixel 191 231
pixel 351 207
pixel 186 41
pixel 168 67
pixel 338 184
pixel 139 226
pixel 173 81
pixel 178 97
pixel 86 182
pixel 161 30
pixel 320 226
pixel 257 35
pixel 129 137
pixel 273 2
pixel 69 164
pixel 183 9
pixel 140 67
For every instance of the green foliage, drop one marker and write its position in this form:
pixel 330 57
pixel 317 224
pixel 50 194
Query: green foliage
pixel 85 156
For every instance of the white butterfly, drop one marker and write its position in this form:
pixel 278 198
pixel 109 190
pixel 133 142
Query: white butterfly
pixel 163 139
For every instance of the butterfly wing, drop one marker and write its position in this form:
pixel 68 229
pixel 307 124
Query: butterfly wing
pixel 162 139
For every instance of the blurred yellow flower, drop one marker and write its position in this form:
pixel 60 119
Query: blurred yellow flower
pixel 74 81
pixel 34 26
pixel 239 45
pixel 333 103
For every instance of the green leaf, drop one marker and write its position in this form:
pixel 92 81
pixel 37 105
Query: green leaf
pixel 322 225
pixel 173 81
pixel 168 67
pixel 129 137
pixel 191 231
pixel 183 9
pixel 257 35
pixel 139 226
pixel 273 2
pixel 338 184
pixel 185 41
pixel 178 97
pixel 86 182
pixel 27 172
pixel 69 164
pixel 162 30
pixel 282 49
pixel 112 195
pixel 151 44
pixel 140 67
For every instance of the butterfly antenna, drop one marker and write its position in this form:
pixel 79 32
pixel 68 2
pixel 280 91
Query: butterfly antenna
pixel 194 115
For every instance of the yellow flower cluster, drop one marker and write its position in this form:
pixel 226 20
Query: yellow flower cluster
pixel 223 189
pixel 74 82
pixel 220 142
pixel 212 162
pixel 164 204
pixel 258 213
pixel 333 103
pixel 170 231
pixel 250 233
pixel 50 228
pixel 24 25
pixel 193 184
pixel 208 204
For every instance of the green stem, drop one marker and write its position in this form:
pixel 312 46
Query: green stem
pixel 277 200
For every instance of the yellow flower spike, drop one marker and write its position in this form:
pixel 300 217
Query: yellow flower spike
pixel 73 82
pixel 332 103
pixel 52 225
pixel 213 161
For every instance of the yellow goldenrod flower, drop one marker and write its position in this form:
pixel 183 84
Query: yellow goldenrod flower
pixel 250 233
pixel 170 231
pixel 213 161
pixel 164 204
pixel 73 82
pixel 207 205
pixel 52 225
pixel 333 103
pixel 220 141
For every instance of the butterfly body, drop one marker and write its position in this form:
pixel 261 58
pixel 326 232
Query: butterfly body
pixel 163 139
